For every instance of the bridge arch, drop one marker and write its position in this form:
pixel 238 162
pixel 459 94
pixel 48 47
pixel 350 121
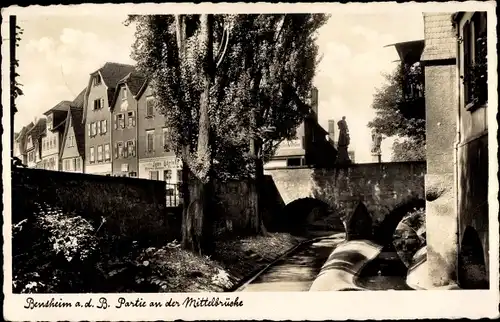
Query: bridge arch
pixel 305 215
pixel 472 272
pixel 384 232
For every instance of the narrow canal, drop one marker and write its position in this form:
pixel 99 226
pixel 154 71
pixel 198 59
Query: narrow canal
pixel 297 272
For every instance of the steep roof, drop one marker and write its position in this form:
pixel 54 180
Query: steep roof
pixel 62 106
pixel 111 73
pixel 38 130
pixel 134 80
pixel 21 138
pixel 74 119
pixel 79 100
pixel 76 115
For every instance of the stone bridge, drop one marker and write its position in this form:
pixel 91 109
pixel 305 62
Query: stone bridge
pixel 388 190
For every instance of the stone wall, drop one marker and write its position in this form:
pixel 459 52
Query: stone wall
pixel 439 60
pixel 382 187
pixel 133 208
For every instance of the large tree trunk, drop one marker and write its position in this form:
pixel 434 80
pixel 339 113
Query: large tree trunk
pixel 256 223
pixel 198 221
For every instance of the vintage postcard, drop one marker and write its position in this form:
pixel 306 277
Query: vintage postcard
pixel 250 161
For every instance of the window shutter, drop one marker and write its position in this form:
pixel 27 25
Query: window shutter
pixel 133 118
pixel 105 122
pixel 116 122
pixel 133 148
pixel 89 129
pixel 116 150
pixel 102 102
pixel 125 150
pixel 467 60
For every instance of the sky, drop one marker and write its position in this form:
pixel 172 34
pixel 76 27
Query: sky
pixel 57 53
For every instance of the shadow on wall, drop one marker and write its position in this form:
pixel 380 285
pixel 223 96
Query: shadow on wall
pixel 132 208
pixel 471 263
pixel 384 232
pixel 272 205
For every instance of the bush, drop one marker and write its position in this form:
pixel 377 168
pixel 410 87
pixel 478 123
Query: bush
pixel 54 253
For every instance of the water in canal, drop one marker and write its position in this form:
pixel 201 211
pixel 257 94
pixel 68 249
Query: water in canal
pixel 297 272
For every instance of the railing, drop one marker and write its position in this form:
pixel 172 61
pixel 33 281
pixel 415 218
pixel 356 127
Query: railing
pixel 173 196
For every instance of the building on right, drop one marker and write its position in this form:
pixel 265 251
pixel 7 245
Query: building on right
pixel 456 183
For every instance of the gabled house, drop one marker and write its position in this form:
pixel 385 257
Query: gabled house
pixel 97 116
pixel 34 143
pixel 124 108
pixel 51 141
pixel 72 152
pixel 20 144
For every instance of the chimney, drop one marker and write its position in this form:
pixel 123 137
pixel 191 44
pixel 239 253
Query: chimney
pixel 331 129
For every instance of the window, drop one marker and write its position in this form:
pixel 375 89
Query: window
pixel 97 80
pixel 119 121
pixel 107 154
pixel 49 122
pixel 179 176
pixel 124 91
pixel 153 175
pixel 89 130
pixel 149 106
pixel 30 156
pixel 475 73
pixel 131 119
pixel 150 141
pixel 131 148
pixel 94 128
pixel 98 128
pixel 167 175
pixel 92 154
pixel 166 146
pixel 77 164
pixel 119 150
pixel 98 104
pixel 104 126
pixel 99 153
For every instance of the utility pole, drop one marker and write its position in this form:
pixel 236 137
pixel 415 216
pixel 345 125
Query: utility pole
pixel 13 63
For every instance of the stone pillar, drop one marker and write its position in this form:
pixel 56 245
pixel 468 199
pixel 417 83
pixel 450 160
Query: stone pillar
pixel 439 60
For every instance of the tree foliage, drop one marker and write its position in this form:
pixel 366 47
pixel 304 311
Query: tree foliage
pixel 408 150
pixel 269 63
pixel 400 112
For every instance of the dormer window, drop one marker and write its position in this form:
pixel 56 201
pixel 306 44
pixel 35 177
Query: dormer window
pixel 97 80
pixel 49 122
pixel 124 91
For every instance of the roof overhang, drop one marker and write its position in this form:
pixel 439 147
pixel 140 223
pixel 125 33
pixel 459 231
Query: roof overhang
pixel 409 52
